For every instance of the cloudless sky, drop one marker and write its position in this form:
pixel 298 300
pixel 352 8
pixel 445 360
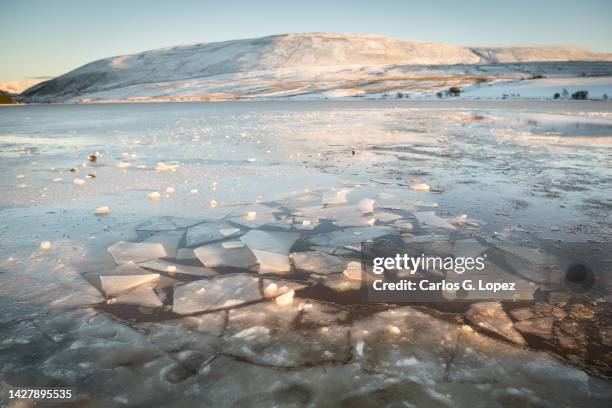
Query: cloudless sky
pixel 51 37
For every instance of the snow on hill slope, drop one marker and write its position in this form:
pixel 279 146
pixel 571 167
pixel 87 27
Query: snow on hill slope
pixel 300 65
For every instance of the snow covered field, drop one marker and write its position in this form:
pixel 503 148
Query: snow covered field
pixel 219 274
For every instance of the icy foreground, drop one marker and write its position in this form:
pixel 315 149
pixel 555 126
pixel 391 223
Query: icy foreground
pixel 246 292
pixel 317 65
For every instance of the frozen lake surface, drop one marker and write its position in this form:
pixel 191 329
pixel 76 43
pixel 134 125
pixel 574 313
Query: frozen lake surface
pixel 259 201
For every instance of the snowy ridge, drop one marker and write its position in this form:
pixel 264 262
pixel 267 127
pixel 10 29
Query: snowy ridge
pixel 290 65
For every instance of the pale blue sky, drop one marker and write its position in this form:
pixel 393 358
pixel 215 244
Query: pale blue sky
pixel 48 38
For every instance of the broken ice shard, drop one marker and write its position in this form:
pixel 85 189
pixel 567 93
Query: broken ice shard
pixel 271 249
pixel 124 252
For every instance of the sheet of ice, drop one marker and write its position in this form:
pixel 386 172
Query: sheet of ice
pixel 350 236
pixel 430 219
pixel 215 293
pixel 276 287
pixel 124 252
pixel 157 224
pixel 305 223
pixel 172 268
pixel 144 296
pixel 383 216
pixel 113 285
pixel 353 271
pixel 169 239
pixel 406 343
pixel 318 262
pixel 209 232
pixel 216 256
pixel 491 316
pixel 366 205
pixel 254 220
pixel 335 196
pixel 271 249
pixel 264 334
pixel 232 244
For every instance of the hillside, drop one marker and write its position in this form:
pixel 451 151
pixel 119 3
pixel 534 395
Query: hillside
pixel 310 64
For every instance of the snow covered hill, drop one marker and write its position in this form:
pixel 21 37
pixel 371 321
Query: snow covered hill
pixel 308 65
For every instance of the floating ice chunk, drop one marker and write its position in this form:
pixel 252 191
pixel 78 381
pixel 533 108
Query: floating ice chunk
pixel 170 191
pixel 403 224
pixel 22 186
pixel 270 290
pixel 350 236
pixel 340 283
pixel 254 221
pixel 78 182
pixel 275 288
pixel 57 179
pixel 430 219
pixel 123 165
pixel 165 266
pixel 285 299
pixel 463 221
pixel 193 191
pixel 154 196
pixel 113 285
pixel 305 223
pixel 20 176
pixel 228 232
pixel 125 155
pixel 420 187
pixel 355 221
pixel 366 205
pixel 169 239
pixel 215 293
pixel 353 271
pixel 232 244
pixel 163 167
pixel 386 196
pixel 213 203
pixel 124 252
pixel 384 216
pixel 491 316
pixel 144 296
pixel 318 262
pixel 216 256
pixel 45 245
pixel 335 197
pixel 251 160
pixel 209 232
pixel 271 249
pixel 394 330
pixel 102 210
